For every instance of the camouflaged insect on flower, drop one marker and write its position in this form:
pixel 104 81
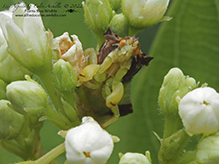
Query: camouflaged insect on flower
pixel 108 80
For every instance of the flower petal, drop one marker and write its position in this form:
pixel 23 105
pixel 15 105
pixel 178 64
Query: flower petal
pixel 34 32
pixel 19 11
pixel 75 56
pixel 16 41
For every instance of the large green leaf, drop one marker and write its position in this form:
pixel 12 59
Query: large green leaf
pixel 189 41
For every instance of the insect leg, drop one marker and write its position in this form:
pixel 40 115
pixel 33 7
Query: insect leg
pixel 115 117
pixel 88 72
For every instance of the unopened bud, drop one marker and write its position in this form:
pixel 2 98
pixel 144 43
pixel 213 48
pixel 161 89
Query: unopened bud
pixel 134 158
pixel 175 86
pixel 27 97
pixel 11 122
pixel 172 146
pixel 207 150
pixel 119 25
pixel 65 78
pixel 142 14
pixel 115 4
pixel 97 14
pixel 71 112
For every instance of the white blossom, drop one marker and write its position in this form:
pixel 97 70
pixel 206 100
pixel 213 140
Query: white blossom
pixel 144 13
pixel 199 111
pixel 88 143
pixel 12 69
pixel 134 158
pixel 28 42
pixel 207 150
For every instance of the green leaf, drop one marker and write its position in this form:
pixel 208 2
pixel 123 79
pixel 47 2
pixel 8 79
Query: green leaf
pixel 189 41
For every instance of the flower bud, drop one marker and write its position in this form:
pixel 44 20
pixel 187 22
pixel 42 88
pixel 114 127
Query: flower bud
pixel 71 113
pixel 2 90
pixel 65 78
pixel 175 86
pixel 97 14
pixel 27 97
pixel 28 42
pixel 134 158
pixel 207 150
pixel 88 143
pixel 199 111
pixel 145 13
pixel 171 146
pixel 11 122
pixel 71 52
pixel 115 4
pixel 119 25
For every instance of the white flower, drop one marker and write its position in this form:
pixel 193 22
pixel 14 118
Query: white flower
pixel 207 150
pixel 88 143
pixel 144 13
pixel 70 51
pixel 28 42
pixel 134 158
pixel 12 69
pixel 199 111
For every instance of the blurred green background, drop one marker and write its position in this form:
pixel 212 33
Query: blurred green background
pixel 189 41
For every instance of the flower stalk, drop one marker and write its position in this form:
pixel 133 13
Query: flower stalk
pixel 48 157
pixel 52 154
pixel 54 95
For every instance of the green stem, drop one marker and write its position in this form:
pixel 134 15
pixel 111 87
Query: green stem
pixel 100 40
pixel 133 31
pixel 58 120
pixel 171 125
pixel 70 98
pixel 172 147
pixel 52 154
pixel 82 96
pixel 34 124
pixel 46 78
pixel 48 157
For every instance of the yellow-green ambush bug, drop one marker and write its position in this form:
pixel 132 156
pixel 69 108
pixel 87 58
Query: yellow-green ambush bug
pixel 104 91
